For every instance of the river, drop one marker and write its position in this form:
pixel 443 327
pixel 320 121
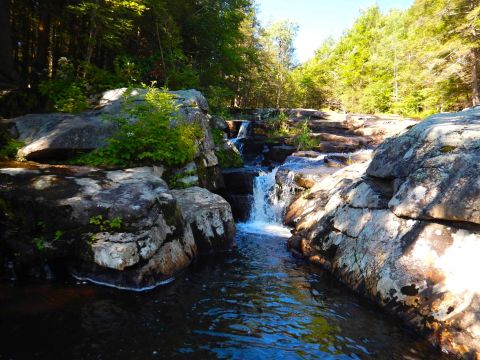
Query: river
pixel 254 302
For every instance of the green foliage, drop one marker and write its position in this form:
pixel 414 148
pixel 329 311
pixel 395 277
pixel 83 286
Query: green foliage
pixel 156 136
pixel 58 235
pixel 64 91
pixel 279 126
pixel 412 62
pixel 218 99
pixel 19 102
pixel 218 136
pixel 44 238
pixel 106 224
pixel 304 140
pixel 174 180
pixel 68 90
pixel 10 149
pixel 39 243
pixel 228 158
pixel 415 63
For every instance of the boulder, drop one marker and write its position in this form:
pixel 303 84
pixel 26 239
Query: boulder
pixel 404 228
pixel 209 216
pixel 120 228
pixel 238 190
pixel 278 153
pixel 435 166
pixel 57 137
pixel 302 172
pixel 241 205
pixel 240 181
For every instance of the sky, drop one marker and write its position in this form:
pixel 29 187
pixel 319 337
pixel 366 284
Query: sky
pixel 319 19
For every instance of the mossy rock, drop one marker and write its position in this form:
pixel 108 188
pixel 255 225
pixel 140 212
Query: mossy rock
pixel 228 158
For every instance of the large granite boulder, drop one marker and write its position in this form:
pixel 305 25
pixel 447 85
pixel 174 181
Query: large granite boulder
pixel 57 137
pixel 120 228
pixel 209 216
pixel 404 229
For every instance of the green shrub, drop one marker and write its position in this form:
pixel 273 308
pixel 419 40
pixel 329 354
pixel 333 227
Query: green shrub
pixel 279 127
pixel 9 151
pixel 65 91
pixel 227 158
pixel 304 140
pixel 151 138
pixel 217 137
pixel 68 90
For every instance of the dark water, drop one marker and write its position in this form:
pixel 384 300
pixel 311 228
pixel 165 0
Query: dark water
pixel 257 302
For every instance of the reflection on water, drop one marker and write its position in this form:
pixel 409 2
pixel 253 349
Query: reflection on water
pixel 256 302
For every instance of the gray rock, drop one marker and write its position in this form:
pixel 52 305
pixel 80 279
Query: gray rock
pixel 58 137
pixel 83 205
pixel 209 216
pixel 405 232
pixel 435 167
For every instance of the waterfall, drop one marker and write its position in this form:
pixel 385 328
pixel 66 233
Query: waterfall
pixel 269 205
pixel 242 134
pixel 269 199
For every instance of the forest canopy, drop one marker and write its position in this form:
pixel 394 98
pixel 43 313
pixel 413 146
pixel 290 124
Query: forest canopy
pixel 54 55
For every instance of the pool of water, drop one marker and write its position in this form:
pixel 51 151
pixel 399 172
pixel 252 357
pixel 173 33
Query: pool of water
pixel 256 302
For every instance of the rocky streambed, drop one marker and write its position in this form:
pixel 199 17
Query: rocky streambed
pixel 396 220
pixel 403 228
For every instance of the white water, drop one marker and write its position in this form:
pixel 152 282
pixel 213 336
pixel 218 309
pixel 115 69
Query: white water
pixel 270 201
pixel 269 205
pixel 242 134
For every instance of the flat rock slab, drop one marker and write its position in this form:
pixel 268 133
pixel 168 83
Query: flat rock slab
pixel 120 228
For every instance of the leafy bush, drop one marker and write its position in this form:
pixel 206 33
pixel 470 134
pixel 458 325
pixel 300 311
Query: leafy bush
pixel 279 126
pixel 9 150
pixel 228 158
pixel 151 138
pixel 65 91
pixel 304 140
pixel 68 90
pixel 8 145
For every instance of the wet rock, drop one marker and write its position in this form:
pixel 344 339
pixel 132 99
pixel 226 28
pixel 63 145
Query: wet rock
pixel 209 216
pixel 307 154
pixel 121 228
pixel 240 181
pixel 336 147
pixel 278 153
pixel 238 190
pixel 302 172
pixel 241 205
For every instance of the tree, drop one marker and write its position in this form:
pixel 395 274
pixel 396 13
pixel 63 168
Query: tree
pixel 280 38
pixel 8 74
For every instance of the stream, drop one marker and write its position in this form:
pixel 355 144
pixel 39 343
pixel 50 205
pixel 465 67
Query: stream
pixel 255 302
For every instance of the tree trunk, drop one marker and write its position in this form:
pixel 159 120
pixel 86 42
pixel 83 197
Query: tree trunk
pixel 8 76
pixel 43 44
pixel 475 93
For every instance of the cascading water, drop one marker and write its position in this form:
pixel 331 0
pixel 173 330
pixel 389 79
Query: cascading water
pixel 242 134
pixel 269 199
pixel 269 204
